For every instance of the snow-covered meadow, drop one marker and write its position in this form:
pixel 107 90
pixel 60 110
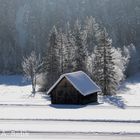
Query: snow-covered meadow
pixel 21 112
pixel 14 89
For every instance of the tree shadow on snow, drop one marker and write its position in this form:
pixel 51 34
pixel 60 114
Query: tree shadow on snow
pixel 115 100
pixel 13 80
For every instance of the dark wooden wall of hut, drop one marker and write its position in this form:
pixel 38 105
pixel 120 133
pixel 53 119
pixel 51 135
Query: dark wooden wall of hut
pixel 65 93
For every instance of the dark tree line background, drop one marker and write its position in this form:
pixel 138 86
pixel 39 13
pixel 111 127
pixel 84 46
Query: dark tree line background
pixel 25 24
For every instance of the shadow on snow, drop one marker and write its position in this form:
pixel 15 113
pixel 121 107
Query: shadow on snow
pixel 70 106
pixel 115 100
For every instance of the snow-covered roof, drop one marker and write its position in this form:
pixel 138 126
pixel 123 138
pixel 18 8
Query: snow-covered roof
pixel 81 81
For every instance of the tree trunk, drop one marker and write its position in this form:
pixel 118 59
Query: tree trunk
pixel 33 85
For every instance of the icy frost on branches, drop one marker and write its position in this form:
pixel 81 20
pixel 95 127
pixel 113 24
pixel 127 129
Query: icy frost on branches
pixel 30 67
pixel 105 66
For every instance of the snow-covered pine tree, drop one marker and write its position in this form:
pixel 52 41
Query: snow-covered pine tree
pixel 90 29
pixel 91 26
pixel 80 48
pixel 120 62
pixel 90 64
pixel 52 66
pixel 96 69
pixel 70 49
pixel 104 66
pixel 61 42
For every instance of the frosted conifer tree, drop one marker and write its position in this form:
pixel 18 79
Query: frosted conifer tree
pixel 70 49
pixel 52 66
pixel 80 48
pixel 62 47
pixel 90 64
pixel 120 62
pixel 104 66
pixel 91 27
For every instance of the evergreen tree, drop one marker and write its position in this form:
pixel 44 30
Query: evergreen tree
pixel 70 49
pixel 90 30
pixel 80 48
pixel 120 62
pixel 52 66
pixel 104 66
pixel 61 44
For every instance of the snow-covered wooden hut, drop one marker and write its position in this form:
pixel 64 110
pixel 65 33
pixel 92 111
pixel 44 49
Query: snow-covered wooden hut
pixel 74 88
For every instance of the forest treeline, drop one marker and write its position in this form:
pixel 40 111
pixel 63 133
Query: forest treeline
pixel 87 47
pixel 25 26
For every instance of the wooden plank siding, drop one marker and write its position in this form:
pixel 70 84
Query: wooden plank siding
pixel 65 93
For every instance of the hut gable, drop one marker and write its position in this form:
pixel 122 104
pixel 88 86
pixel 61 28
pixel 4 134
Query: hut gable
pixel 80 81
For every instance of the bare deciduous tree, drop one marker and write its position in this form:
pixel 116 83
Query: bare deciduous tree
pixel 31 66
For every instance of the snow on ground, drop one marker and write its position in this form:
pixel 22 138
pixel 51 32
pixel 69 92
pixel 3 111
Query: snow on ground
pixel 85 113
pixel 130 91
pixel 120 114
pixel 70 137
pixel 128 94
pixel 75 127
pixel 15 90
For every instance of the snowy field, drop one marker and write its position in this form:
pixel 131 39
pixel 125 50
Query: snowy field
pixel 131 91
pixel 21 113
pixel 15 90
